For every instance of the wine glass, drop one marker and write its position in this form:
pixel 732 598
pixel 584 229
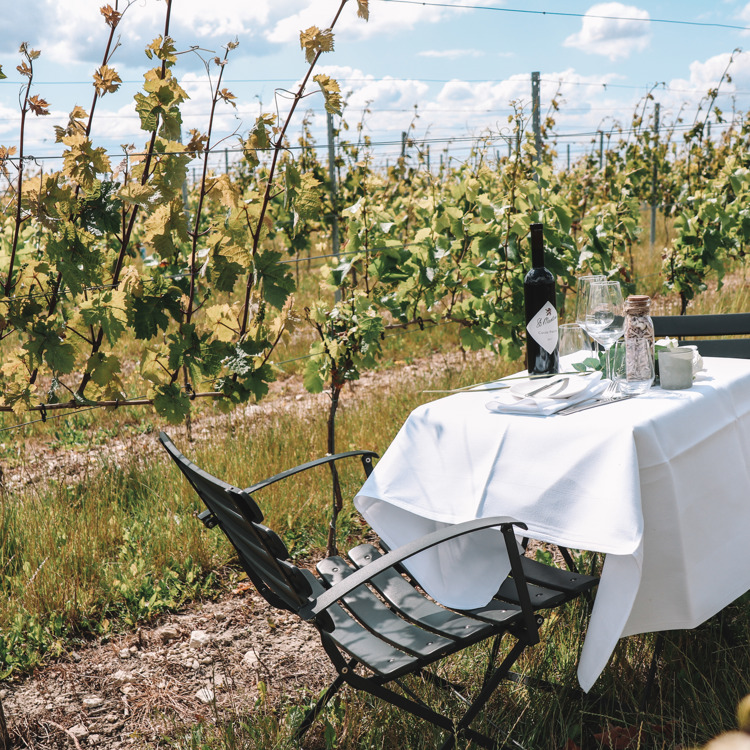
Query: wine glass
pixel 582 294
pixel 605 318
pixel 574 344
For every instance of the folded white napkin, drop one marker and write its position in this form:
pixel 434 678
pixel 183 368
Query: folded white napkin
pixel 560 392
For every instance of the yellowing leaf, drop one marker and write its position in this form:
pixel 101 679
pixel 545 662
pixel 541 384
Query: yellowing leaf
pixel 165 228
pixel 112 17
pixel 103 368
pixel 314 41
pixel 106 80
pixel 229 194
pixel 131 281
pixel 163 48
pixel 141 195
pixel 197 142
pixel 331 92
pixel 152 369
pixel 363 9
pixel 307 203
pixel 224 322
pixel 38 105
pixel 227 96
pixel 82 162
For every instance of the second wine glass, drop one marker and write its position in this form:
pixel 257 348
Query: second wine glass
pixel 604 320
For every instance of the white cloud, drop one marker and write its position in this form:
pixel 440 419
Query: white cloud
pixel 388 93
pixel 75 31
pixel 387 19
pixel 686 93
pixel 605 31
pixel 451 54
pixel 744 16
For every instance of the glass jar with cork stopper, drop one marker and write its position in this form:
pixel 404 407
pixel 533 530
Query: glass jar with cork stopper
pixel 639 345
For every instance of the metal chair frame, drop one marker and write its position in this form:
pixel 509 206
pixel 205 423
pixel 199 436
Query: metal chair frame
pixel 692 329
pixel 375 624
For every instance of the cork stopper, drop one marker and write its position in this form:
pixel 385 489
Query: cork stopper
pixel 638 304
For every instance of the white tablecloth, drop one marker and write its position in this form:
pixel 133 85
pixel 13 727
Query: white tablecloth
pixel 661 483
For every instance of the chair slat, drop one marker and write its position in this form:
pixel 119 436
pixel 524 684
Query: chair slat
pixel 377 655
pixel 694 328
pixel 729 324
pixel 376 616
pixel 559 579
pixel 414 605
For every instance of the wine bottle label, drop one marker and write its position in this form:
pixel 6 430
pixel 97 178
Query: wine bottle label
pixel 543 327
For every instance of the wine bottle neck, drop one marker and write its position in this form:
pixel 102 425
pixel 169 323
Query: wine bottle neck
pixel 537 246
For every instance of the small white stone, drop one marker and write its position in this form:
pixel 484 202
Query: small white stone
pixel 92 701
pixel 205 695
pixel 199 639
pixel 250 660
pixel 121 677
pixel 79 731
pixel 124 654
pixel 168 633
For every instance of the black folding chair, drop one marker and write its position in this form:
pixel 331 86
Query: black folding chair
pixel 375 624
pixel 692 329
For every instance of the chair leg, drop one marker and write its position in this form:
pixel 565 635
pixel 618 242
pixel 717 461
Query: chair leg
pixel 313 713
pixel 484 694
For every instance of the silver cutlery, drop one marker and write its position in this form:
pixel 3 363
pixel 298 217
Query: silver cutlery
pixel 609 396
pixel 561 383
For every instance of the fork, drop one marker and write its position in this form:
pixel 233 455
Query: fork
pixel 609 394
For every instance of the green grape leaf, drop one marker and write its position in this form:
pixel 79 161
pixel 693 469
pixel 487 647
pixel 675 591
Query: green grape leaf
pixel 313 379
pixel 172 403
pixel 61 357
pixel 103 368
pixel 277 281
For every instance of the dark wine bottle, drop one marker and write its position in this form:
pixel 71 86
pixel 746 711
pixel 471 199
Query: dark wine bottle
pixel 542 355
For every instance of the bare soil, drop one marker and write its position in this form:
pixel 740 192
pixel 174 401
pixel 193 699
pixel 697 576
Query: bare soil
pixel 203 663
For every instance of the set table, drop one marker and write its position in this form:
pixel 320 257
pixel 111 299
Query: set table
pixel 659 483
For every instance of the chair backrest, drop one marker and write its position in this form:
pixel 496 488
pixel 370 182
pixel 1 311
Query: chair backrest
pixel 261 551
pixel 693 328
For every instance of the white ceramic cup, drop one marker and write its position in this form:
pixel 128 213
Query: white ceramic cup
pixel 676 368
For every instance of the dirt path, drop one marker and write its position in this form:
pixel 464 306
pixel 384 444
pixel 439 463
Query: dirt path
pixel 202 663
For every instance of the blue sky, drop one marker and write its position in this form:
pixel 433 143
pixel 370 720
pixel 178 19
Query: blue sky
pixel 461 67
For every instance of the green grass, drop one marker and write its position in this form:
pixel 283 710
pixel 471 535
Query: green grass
pixel 119 546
